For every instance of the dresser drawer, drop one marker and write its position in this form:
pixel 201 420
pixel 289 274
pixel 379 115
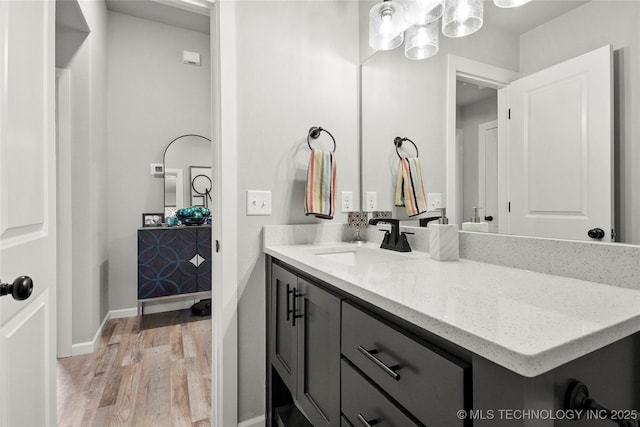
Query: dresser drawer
pixel 363 403
pixel 427 382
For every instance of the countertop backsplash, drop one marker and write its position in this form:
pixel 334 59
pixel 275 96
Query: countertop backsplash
pixel 617 264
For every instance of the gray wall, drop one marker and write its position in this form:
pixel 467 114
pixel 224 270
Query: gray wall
pixel 468 119
pixel 401 97
pixel 85 201
pixel 153 98
pixel 584 29
pixel 297 67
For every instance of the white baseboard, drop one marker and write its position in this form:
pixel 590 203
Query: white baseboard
pixel 90 346
pixel 122 313
pixel 253 422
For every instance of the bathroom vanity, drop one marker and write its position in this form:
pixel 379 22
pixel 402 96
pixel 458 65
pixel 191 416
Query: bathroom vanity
pixel 173 262
pixel 363 336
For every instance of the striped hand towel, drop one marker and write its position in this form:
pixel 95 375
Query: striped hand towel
pixel 321 182
pixel 409 189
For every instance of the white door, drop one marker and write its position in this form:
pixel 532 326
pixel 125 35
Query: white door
pixel 560 149
pixel 27 212
pixel 488 174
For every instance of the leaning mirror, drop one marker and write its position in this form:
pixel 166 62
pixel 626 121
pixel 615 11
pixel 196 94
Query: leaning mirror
pixel 417 99
pixel 187 173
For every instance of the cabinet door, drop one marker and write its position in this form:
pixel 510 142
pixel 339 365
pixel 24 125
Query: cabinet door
pixel 164 266
pixel 318 331
pixel 203 249
pixel 282 339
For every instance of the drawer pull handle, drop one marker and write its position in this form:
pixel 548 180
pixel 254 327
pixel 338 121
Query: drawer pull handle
pixel 366 423
pixel 370 354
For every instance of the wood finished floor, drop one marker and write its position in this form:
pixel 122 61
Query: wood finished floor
pixel 148 373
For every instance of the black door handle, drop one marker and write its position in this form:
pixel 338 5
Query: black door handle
pixel 596 233
pixel 20 289
pixel 488 218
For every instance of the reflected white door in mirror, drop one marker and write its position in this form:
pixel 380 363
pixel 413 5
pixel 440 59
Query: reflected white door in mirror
pixel 554 148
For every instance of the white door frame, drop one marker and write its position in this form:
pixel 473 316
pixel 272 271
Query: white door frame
pixel 64 294
pixel 224 355
pixel 470 71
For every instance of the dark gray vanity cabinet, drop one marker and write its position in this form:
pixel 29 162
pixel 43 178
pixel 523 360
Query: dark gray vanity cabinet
pixel 304 345
pixel 426 381
pixel 331 362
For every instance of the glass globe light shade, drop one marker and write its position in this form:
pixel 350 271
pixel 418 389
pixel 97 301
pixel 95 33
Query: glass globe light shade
pixel 462 17
pixel 422 11
pixel 422 41
pixel 386 25
pixel 510 3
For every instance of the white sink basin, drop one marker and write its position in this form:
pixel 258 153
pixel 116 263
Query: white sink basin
pixel 359 255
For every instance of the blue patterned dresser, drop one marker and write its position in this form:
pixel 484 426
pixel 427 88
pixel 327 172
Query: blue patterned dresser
pixel 173 261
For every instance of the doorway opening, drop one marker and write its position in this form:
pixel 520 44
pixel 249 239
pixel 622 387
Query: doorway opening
pixel 477 120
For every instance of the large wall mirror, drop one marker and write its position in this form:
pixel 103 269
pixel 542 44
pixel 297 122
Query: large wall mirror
pixel 187 173
pixel 454 106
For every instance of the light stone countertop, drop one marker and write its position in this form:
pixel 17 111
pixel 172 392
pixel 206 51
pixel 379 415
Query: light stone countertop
pixel 525 321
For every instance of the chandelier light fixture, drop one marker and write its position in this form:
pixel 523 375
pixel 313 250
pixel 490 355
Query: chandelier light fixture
pixel 417 23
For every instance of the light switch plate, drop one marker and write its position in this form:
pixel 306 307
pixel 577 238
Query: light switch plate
pixel 434 201
pixel 372 201
pixel 258 202
pixel 347 201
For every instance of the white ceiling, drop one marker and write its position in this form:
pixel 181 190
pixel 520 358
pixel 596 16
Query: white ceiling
pixel 182 14
pixel 191 15
pixel 519 20
pixel 469 93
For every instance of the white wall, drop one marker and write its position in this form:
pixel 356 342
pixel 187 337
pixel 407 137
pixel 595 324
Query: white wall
pixel 406 98
pixel 153 98
pixel 586 28
pixel 469 118
pixel 297 67
pixel 85 56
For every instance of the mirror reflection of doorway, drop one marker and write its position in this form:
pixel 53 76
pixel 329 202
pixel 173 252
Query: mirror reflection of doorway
pixel 476 117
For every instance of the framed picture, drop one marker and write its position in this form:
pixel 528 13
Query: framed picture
pixel 152 219
pixel 201 186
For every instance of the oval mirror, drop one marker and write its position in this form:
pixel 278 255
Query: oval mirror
pixel 188 179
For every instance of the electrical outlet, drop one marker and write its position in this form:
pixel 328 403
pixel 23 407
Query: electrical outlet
pixel 434 201
pixel 258 202
pixel 347 201
pixel 372 201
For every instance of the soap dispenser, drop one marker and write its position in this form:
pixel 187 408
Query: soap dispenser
pixel 443 239
pixel 475 224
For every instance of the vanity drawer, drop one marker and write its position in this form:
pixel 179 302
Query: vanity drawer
pixel 362 402
pixel 427 382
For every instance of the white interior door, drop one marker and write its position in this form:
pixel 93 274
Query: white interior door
pixel 560 149
pixel 27 212
pixel 488 174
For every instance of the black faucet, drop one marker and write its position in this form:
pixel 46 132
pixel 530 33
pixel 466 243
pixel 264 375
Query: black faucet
pixel 393 240
pixel 425 221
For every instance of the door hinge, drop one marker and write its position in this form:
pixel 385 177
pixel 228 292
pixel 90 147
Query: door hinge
pixel 509 114
pixel 217 246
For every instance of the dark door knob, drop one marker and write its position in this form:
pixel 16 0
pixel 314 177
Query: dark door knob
pixel 488 218
pixel 20 289
pixel 596 233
